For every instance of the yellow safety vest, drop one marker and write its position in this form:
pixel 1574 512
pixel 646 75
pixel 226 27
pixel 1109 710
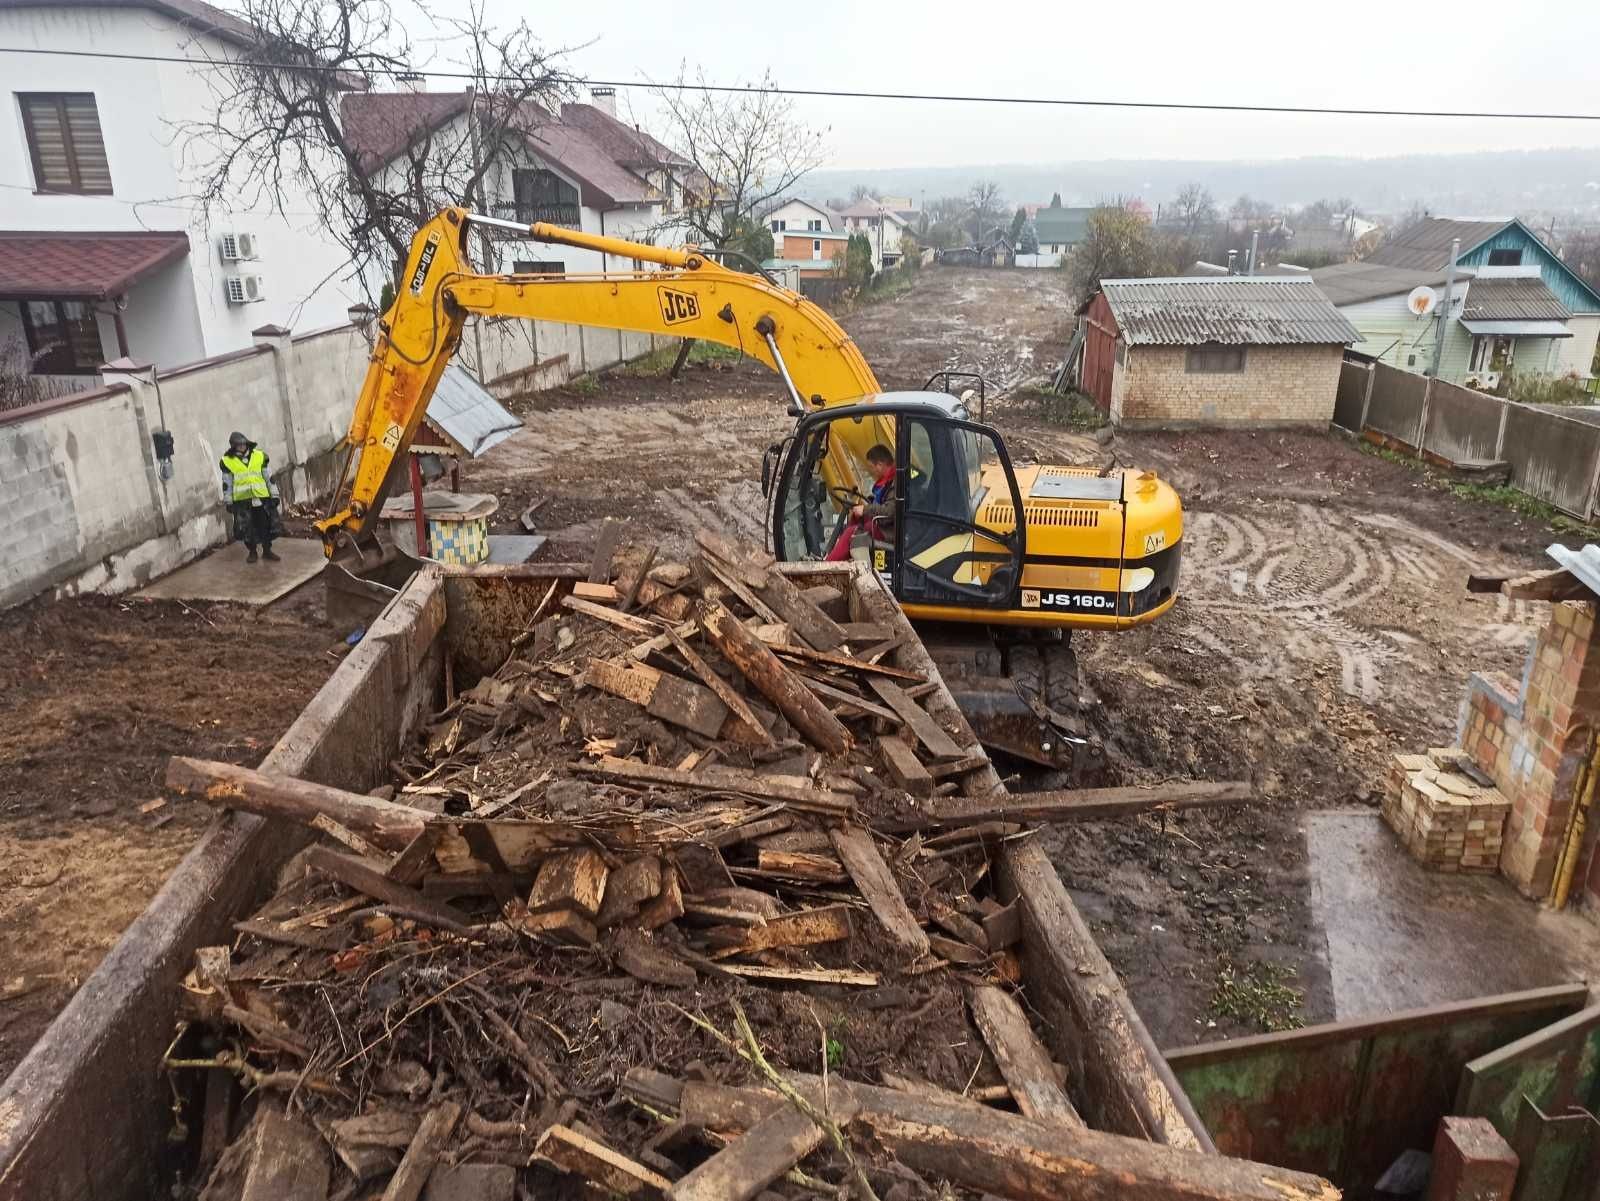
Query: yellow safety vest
pixel 249 476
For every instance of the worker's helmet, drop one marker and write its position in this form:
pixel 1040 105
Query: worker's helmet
pixel 238 439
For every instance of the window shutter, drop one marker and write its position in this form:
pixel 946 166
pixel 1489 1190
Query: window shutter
pixel 64 140
pixel 88 145
pixel 47 139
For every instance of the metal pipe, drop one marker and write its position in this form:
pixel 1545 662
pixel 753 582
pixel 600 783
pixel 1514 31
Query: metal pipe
pixel 1444 306
pixel 1572 844
pixel 766 329
pixel 1255 241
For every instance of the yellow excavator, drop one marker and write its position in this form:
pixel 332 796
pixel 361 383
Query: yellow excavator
pixel 997 563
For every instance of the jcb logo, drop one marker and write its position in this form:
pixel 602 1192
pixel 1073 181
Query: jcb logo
pixel 1030 598
pixel 424 263
pixel 678 306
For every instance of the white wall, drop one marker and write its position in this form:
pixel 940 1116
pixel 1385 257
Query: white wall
pixel 1039 260
pixel 796 216
pixel 139 102
pixel 1577 352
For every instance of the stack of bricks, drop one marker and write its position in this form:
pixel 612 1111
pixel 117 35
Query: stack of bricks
pixel 1447 814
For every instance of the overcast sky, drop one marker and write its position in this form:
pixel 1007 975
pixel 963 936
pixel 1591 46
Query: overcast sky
pixel 1470 54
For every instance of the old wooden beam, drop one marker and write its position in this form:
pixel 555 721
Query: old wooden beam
pixel 724 691
pixel 917 719
pixel 678 701
pixel 227 786
pixel 872 876
pixel 369 878
pixel 772 679
pixel 904 767
pixel 623 621
pixel 608 1170
pixel 766 1151
pixel 807 927
pixel 1023 1062
pixel 605 546
pixel 1091 803
pixel 417 1164
pixel 722 779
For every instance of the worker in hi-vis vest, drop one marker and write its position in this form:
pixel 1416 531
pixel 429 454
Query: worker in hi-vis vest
pixel 249 492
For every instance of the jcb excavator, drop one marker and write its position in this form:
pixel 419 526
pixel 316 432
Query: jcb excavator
pixel 997 563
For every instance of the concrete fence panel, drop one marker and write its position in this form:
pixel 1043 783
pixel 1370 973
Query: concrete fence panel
pixel 1553 458
pixel 1463 426
pixel 1351 397
pixel 1396 405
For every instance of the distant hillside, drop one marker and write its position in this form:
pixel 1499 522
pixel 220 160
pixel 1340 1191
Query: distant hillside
pixel 1488 184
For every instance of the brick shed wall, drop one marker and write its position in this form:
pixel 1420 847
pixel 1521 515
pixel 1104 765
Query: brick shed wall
pixel 1279 385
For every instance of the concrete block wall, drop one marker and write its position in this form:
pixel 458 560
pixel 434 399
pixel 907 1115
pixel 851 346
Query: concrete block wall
pixel 1531 737
pixel 1279 385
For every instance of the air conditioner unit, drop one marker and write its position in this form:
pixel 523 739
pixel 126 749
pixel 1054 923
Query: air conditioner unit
pixel 238 246
pixel 245 289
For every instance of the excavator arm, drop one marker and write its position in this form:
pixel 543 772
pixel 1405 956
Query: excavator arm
pixel 688 295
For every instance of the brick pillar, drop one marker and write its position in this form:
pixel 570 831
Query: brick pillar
pixel 1561 706
pixel 1471 1162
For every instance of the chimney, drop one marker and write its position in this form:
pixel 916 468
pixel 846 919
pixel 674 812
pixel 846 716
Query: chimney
pixel 604 99
pixel 410 81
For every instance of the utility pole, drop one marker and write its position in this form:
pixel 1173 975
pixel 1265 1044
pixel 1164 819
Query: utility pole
pixel 1444 306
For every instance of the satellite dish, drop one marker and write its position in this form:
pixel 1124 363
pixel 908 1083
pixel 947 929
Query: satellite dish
pixel 1422 300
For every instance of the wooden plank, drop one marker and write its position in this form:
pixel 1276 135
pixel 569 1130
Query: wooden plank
pixel 772 679
pixel 1093 803
pixel 766 1151
pixel 417 1164
pixel 410 864
pixel 623 621
pixel 724 691
pixel 644 959
pixel 339 833
pixel 813 625
pixel 958 767
pixel 632 596
pixel 860 703
pixel 808 927
pixel 574 880
pixel 904 767
pixel 803 975
pixel 799 865
pixel 226 786
pixel 866 632
pixel 1003 928
pixel 721 779
pixel 605 1168
pixel 681 702
pixel 660 642
pixel 560 926
pixel 635 682
pixel 974 1146
pixel 602 594
pixel 749 831
pixel 627 890
pixel 370 879
pixel 928 732
pixel 668 903
pixel 725 575
pixel 958 925
pixel 1023 1062
pixel 751 564
pixel 850 662
pixel 605 546
pixel 872 876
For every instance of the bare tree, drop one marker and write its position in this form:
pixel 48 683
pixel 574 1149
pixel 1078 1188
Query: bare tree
pixel 744 148
pixel 1196 209
pixel 986 205
pixel 862 192
pixel 286 130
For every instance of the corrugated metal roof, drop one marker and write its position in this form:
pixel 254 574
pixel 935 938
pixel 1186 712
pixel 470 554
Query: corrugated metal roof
pixel 1426 246
pixel 1584 563
pixel 1514 298
pixel 1062 225
pixel 463 412
pixel 1236 310
pixel 1518 329
pixel 1351 283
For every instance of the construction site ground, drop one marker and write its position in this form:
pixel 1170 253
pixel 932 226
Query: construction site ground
pixel 1323 625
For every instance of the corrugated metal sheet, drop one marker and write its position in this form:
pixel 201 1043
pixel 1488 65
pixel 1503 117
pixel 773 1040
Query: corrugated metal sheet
pixel 1351 283
pixel 1238 310
pixel 1518 329
pixel 1512 298
pixel 1583 563
pixel 1426 246
pixel 464 412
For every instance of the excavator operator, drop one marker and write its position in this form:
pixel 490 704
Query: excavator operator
pixel 877 509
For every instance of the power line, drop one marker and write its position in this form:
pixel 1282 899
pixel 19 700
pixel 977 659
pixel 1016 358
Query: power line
pixel 842 94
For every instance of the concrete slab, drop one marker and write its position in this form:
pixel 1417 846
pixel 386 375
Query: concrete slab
pixel 1400 937
pixel 223 575
pixel 515 548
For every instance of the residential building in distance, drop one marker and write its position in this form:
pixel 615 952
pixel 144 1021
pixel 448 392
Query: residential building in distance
pixel 102 257
pixel 791 213
pixel 579 167
pixel 808 254
pixel 1059 229
pixel 1514 306
pixel 1225 350
pixel 883 228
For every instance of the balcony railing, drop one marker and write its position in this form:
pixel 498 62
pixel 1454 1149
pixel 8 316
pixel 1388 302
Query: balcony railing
pixel 550 214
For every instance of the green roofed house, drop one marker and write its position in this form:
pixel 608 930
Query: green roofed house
pixel 1059 230
pixel 1514 306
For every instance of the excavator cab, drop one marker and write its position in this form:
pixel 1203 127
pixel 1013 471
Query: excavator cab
pixel 947 531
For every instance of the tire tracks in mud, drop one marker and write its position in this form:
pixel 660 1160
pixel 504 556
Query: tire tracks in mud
pixel 1334 586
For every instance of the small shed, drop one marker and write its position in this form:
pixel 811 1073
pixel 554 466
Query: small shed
pixel 1226 350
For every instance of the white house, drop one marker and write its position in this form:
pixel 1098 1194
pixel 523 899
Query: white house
pixel 793 215
pixel 883 227
pixel 580 167
pixel 102 256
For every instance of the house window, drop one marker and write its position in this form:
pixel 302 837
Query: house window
pixel 1214 359
pixel 544 196
pixel 814 226
pixel 1511 257
pixel 816 248
pixel 64 142
pixel 777 227
pixel 538 267
pixel 63 337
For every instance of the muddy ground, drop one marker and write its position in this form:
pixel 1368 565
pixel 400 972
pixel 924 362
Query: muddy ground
pixel 95 694
pixel 1324 622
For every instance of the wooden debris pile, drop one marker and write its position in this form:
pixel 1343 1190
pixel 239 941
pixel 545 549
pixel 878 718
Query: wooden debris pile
pixel 698 823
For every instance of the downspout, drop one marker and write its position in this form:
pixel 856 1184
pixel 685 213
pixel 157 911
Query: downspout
pixel 1572 844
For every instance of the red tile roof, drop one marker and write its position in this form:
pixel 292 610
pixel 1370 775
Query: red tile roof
pixel 628 145
pixel 379 125
pixel 46 265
